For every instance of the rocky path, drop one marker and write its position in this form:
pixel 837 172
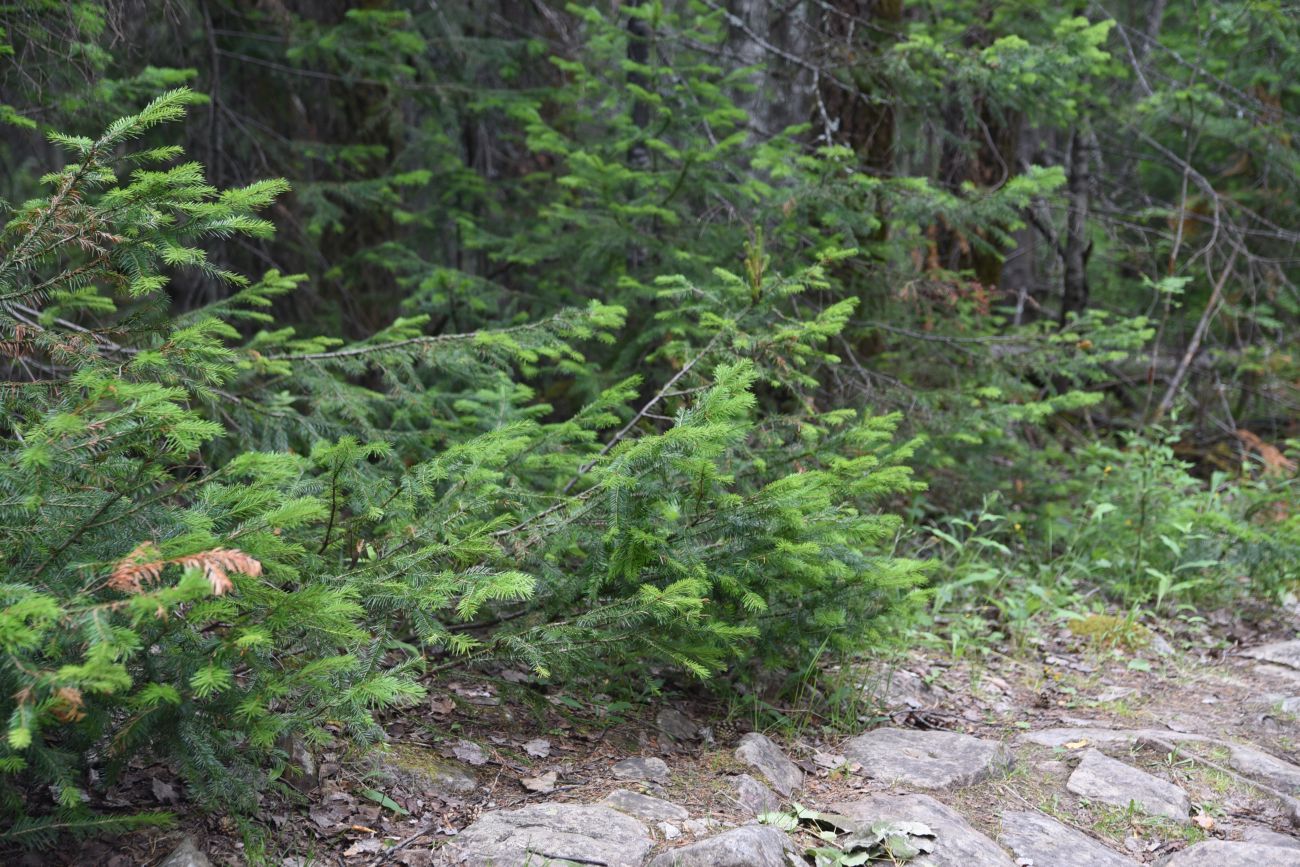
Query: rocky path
pixel 915 770
pixel 1057 755
pixel 1198 772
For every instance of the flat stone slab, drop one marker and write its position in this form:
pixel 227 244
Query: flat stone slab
pixel 1279 672
pixel 641 768
pixel 1269 769
pixel 957 844
pixel 749 846
pixel 1060 737
pixel 1279 652
pixel 754 796
pixel 1041 839
pixel 1221 853
pixel 927 759
pixel 1101 778
pixel 423 769
pixel 1115 693
pixel 758 752
pixel 563 833
pixel 1265 837
pixel 644 806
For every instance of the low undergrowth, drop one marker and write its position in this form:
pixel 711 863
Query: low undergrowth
pixel 1131 537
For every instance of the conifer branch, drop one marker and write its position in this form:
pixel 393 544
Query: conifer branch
pixel 425 340
pixel 650 404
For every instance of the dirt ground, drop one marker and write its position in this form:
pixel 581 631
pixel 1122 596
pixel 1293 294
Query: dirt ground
pixel 493 742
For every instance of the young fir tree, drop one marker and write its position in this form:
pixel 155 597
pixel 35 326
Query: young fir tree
pixel 152 599
pixel 213 543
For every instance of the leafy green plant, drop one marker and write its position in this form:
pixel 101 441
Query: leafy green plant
pixel 851 844
pixel 1128 519
pixel 1156 534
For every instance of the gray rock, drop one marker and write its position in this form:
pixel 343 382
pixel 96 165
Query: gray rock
pixel 644 806
pixel 1279 702
pixel 1084 723
pixel 425 770
pixel 754 796
pixel 1261 766
pixel 641 768
pixel 302 771
pixel 538 748
pixel 1181 723
pixel 700 827
pixel 904 689
pixel 1281 653
pixel 677 725
pixel 760 753
pixel 1279 672
pixel 1041 839
pixel 1052 768
pixel 1266 837
pixel 1115 693
pixel 563 833
pixel 1059 737
pixel 187 854
pixel 1222 853
pixel 927 759
pixel 750 846
pixel 957 844
pixel 469 752
pixel 1101 778
pixel 829 761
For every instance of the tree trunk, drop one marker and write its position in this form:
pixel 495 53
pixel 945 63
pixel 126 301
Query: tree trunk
pixel 1075 245
pixel 638 154
pixel 767 35
pixel 1022 275
pixel 855 113
pixel 638 52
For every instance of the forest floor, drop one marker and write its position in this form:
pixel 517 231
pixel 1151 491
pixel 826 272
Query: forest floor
pixel 1196 709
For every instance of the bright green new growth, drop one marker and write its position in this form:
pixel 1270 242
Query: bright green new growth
pixel 201 573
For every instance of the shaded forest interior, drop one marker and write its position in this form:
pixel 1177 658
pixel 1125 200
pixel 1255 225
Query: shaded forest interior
pixel 677 344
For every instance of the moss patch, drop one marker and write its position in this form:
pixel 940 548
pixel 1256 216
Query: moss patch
pixel 1108 630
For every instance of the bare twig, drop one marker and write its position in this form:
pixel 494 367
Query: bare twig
pixel 1193 346
pixel 659 395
